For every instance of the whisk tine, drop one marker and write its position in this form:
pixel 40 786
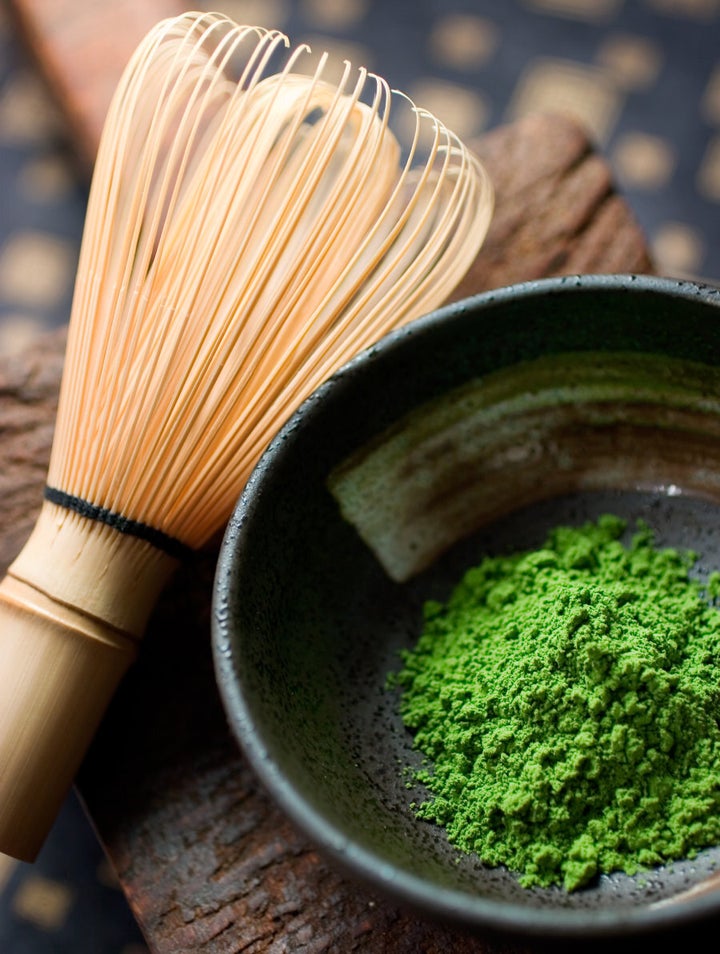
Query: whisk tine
pixel 260 291
pixel 250 226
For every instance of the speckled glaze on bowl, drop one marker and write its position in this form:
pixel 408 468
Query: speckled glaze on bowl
pixel 307 623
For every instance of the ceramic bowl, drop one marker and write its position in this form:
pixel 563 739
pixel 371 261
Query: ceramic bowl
pixel 474 429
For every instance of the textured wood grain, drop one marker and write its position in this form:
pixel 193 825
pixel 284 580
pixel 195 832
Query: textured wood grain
pixel 207 861
pixel 557 211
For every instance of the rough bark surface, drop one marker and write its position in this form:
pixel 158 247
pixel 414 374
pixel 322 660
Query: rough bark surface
pixel 557 212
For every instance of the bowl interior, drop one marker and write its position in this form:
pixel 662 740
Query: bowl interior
pixel 308 623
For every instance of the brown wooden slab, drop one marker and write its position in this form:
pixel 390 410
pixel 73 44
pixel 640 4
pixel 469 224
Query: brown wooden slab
pixel 207 861
pixel 557 211
pixel 82 48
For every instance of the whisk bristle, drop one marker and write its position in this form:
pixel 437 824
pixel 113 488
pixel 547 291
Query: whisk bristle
pixel 247 232
pixel 251 226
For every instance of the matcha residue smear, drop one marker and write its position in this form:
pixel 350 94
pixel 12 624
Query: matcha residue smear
pixel 567 703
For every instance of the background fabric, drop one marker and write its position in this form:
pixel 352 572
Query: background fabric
pixel 642 75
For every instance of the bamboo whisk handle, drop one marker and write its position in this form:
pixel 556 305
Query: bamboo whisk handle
pixel 73 607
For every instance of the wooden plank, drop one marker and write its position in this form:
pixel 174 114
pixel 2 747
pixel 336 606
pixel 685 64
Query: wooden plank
pixel 557 211
pixel 208 862
pixel 82 48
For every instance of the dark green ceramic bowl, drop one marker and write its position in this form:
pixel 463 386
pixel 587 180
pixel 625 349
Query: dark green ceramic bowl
pixel 476 428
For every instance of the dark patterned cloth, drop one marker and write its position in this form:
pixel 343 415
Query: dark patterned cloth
pixel 644 77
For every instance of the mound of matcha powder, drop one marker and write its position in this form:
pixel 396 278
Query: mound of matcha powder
pixel 567 703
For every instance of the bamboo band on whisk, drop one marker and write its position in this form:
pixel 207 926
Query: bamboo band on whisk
pixel 134 528
pixel 67 639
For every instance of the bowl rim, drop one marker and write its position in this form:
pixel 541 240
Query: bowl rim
pixel 439 903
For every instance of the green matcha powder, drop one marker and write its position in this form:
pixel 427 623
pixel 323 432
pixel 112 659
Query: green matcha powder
pixel 567 703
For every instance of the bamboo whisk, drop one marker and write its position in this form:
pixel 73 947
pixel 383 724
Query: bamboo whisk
pixel 250 227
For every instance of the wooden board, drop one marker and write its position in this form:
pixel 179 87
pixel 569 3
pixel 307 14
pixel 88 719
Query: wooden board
pixel 81 47
pixel 207 861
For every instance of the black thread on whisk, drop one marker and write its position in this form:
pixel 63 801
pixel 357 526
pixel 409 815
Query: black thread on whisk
pixel 133 528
